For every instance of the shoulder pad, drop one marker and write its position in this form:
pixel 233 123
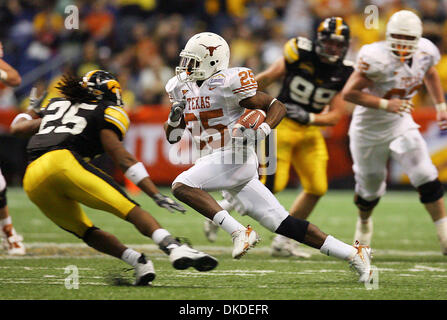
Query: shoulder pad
pixel 304 44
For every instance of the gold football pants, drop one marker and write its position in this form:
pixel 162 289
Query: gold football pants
pixel 304 148
pixel 58 181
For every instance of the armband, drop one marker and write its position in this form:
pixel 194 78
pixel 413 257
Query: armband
pixel 441 106
pixel 21 116
pixel 136 173
pixel 383 104
pixel 272 102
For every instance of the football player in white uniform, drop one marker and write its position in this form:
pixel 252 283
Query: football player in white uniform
pixel 208 99
pixel 11 241
pixel 388 74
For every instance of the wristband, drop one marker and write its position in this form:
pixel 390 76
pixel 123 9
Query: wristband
pixel 441 106
pixel 265 128
pixel 21 116
pixel 311 118
pixel 136 173
pixel 3 75
pixel 383 104
pixel 174 124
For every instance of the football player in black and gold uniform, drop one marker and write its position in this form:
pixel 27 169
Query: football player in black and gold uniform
pixel 312 73
pixel 87 121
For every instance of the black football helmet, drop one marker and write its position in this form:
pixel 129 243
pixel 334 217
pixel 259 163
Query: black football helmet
pixel 332 39
pixel 103 85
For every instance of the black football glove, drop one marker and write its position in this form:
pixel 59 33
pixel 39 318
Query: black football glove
pixel 35 102
pixel 176 113
pixel 167 203
pixel 297 113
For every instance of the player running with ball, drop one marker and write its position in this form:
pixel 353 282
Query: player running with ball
pixel 208 99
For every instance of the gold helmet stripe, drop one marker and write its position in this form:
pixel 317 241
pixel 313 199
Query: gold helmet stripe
pixel 338 25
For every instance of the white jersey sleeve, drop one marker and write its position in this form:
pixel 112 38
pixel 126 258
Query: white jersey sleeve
pixel 372 62
pixel 429 48
pixel 241 84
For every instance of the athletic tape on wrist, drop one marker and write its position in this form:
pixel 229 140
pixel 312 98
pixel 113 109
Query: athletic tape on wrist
pixel 441 106
pixel 266 128
pixel 21 116
pixel 311 118
pixel 136 173
pixel 383 104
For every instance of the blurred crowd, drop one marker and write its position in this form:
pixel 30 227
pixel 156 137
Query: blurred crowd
pixel 139 40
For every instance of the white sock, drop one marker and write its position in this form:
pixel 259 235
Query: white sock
pixel 6 221
pixel 338 249
pixel 159 234
pixel 130 256
pixel 441 229
pixel 224 220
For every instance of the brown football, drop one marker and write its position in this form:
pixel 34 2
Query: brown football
pixel 252 118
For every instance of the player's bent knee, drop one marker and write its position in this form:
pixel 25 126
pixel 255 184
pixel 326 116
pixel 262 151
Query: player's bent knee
pixel 365 205
pixel 431 191
pixel 293 228
pixel 180 190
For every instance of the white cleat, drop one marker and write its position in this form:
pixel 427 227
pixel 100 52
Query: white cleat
pixel 144 271
pixel 210 229
pixel 361 262
pixel 12 242
pixel 243 240
pixel 363 232
pixel 183 257
pixel 286 247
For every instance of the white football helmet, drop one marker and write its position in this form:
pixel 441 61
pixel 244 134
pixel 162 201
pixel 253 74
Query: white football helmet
pixel 403 23
pixel 204 54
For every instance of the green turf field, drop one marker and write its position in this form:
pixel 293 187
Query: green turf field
pixel 407 257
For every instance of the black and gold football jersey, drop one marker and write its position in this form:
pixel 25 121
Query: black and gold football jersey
pixel 76 127
pixel 309 82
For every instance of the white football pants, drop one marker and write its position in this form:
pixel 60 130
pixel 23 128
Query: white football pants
pixel 370 163
pixel 215 172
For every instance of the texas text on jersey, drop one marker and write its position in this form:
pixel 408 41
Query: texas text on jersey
pixel 76 126
pixel 309 82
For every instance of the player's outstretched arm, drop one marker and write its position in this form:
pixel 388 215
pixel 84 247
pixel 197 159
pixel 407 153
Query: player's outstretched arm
pixel 352 92
pixel 434 87
pixel 274 109
pixel 337 107
pixel 135 170
pixel 276 70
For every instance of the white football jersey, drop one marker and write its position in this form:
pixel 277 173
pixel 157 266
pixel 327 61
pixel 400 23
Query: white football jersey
pixel 213 108
pixel 392 79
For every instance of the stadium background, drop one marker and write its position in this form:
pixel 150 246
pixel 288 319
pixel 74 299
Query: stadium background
pixel 139 41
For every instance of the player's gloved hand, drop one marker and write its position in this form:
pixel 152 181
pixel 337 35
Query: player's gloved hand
pixel 398 106
pixel 298 114
pixel 35 102
pixel 251 135
pixel 167 203
pixel 175 116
